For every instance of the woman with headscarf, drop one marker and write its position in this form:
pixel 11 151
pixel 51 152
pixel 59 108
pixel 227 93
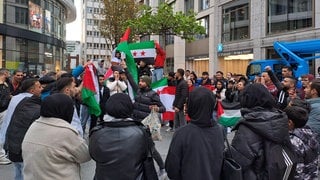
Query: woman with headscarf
pixel 52 148
pixel 118 145
pixel 260 122
pixel 196 150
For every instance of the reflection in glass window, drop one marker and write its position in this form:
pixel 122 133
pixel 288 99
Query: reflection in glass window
pixel 289 15
pixel 205 23
pixel 203 4
pixel 235 22
pixel 189 5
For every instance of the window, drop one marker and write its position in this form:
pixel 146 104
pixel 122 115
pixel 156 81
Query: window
pixel 205 23
pixel 235 22
pixel 24 2
pixel 289 15
pixel 203 4
pixel 21 15
pixel 189 5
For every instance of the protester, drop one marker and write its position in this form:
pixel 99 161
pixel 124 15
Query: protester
pixel 26 112
pixel 158 63
pixel 312 94
pixel 180 99
pixel 29 87
pixel 121 156
pixel 304 142
pixel 115 83
pixel 5 97
pixel 52 148
pixel 259 117
pixel 196 150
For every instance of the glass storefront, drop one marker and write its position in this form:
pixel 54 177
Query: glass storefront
pixel 34 36
pixel 289 15
pixel 31 56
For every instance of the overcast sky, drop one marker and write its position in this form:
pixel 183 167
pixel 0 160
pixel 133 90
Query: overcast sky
pixel 74 28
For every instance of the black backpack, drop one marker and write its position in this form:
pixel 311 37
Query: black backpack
pixel 280 160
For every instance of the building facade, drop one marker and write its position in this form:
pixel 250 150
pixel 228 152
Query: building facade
pixel 33 34
pixel 238 31
pixel 95 46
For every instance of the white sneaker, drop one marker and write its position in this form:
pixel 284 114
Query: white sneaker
pixel 4 161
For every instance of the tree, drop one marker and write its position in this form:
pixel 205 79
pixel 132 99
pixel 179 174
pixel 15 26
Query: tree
pixel 163 21
pixel 115 14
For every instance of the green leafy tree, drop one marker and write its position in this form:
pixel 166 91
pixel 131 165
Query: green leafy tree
pixel 115 15
pixel 164 21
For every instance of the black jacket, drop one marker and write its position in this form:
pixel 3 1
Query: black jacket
pixel 257 125
pixel 26 112
pixel 5 96
pixel 144 98
pixel 142 101
pixel 181 95
pixel 119 150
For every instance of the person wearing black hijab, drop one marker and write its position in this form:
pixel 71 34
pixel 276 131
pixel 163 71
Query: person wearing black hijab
pixel 52 145
pixel 260 122
pixel 118 145
pixel 196 150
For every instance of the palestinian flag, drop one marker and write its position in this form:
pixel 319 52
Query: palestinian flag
pixel 228 113
pixel 123 46
pixel 90 90
pixel 167 94
pixel 143 51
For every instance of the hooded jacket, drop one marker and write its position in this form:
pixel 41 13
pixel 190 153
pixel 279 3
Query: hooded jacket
pixel 118 145
pixel 196 150
pixel 52 145
pixel 260 122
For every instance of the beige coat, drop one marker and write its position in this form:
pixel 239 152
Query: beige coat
pixel 52 149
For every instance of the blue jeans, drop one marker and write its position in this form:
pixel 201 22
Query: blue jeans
pixel 84 116
pixel 18 170
pixel 157 74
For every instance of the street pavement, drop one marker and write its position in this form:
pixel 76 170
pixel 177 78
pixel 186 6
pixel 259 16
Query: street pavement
pixel 87 169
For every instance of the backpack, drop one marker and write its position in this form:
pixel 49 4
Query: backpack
pixel 280 162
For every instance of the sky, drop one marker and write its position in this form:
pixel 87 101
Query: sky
pixel 74 29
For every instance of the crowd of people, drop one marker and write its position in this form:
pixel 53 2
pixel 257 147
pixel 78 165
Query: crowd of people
pixel 43 123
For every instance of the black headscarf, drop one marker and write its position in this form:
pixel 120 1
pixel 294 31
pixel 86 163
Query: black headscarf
pixel 59 106
pixel 201 104
pixel 256 95
pixel 119 106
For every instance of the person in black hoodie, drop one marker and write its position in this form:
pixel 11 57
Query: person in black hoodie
pixel 260 122
pixel 196 150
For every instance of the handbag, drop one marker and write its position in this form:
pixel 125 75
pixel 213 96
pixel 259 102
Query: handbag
pixel 231 170
pixel 152 121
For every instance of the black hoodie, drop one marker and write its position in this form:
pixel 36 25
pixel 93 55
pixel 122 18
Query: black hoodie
pixel 196 150
pixel 260 121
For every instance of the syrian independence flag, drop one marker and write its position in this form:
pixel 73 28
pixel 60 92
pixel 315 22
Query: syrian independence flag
pixel 143 51
pixel 90 90
pixel 228 113
pixel 167 94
